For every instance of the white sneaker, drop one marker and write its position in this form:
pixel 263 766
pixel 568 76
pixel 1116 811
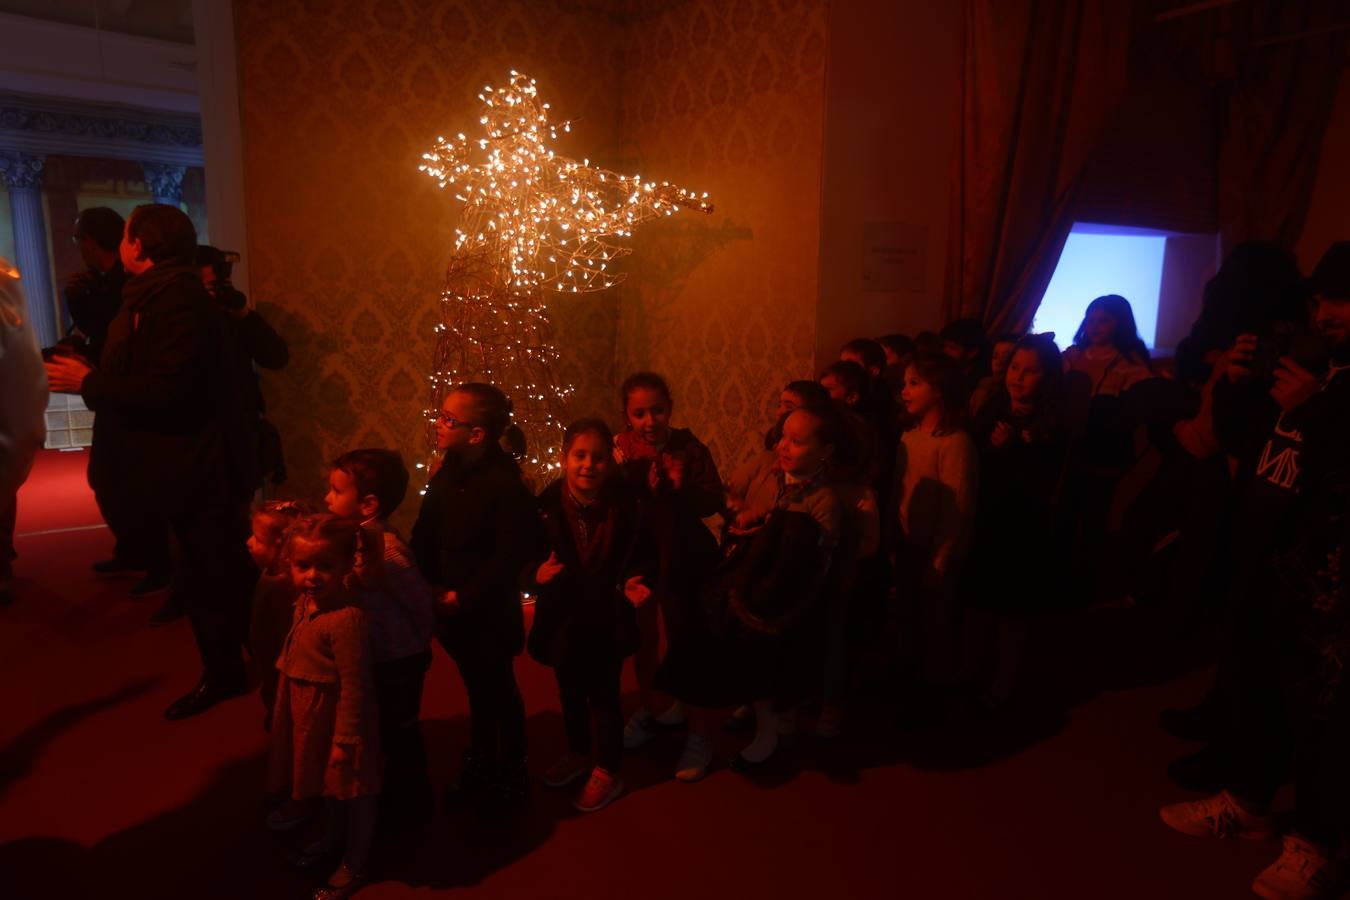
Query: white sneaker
pixel 572 767
pixel 694 759
pixel 672 717
pixel 641 729
pixel 1218 816
pixel 599 792
pixel 1303 872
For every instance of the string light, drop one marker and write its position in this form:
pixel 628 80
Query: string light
pixel 533 223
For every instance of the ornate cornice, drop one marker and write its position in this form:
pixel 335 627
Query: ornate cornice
pixel 42 125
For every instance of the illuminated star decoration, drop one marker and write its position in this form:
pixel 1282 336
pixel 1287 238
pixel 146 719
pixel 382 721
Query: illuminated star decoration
pixel 533 223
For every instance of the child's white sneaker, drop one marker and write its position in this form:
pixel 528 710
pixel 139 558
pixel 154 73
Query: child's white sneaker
pixel 694 759
pixel 641 729
pixel 1218 816
pixel 599 792
pixel 1303 872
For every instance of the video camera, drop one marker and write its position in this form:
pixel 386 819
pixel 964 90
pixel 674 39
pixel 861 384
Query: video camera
pixel 221 263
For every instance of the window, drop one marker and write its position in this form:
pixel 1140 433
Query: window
pixel 1103 259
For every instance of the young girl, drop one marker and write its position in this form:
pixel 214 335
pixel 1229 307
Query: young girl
pixel 325 732
pixel 1108 356
pixel 473 535
pixel 584 619
pixel 1022 447
pixel 753 641
pixel 1106 360
pixel 273 605
pixel 677 477
pixel 936 473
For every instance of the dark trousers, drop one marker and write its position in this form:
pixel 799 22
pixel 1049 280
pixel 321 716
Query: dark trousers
pixel 398 691
pixel 215 577
pixel 589 690
pixel 496 710
pixel 1288 718
pixel 140 531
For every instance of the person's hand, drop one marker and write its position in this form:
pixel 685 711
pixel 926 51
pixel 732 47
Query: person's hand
pixel 747 522
pixel 79 282
pixel 636 592
pixel 619 456
pixel 66 374
pixel 1002 434
pixel 868 504
pixel 339 756
pixel 674 469
pixel 654 476
pixel 1293 384
pixel 447 604
pixel 548 570
pixel 1239 359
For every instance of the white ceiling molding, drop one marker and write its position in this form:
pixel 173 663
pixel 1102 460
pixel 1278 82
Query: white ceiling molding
pixel 60 60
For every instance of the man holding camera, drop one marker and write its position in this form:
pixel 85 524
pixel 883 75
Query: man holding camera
pixel 255 448
pixel 1290 653
pixel 165 372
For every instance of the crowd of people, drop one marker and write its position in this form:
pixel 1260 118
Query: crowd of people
pixel 869 536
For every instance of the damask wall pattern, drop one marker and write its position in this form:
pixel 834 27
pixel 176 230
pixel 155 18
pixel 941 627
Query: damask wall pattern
pixel 727 97
pixel 348 241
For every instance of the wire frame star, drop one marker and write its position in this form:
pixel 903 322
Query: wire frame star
pixel 544 220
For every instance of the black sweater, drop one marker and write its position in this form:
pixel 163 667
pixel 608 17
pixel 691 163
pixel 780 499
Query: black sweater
pixel 473 534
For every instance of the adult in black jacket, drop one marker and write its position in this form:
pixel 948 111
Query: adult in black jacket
pixel 471 541
pixel 164 377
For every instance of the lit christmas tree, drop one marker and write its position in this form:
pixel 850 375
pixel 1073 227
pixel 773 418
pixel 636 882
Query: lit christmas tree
pixel 533 223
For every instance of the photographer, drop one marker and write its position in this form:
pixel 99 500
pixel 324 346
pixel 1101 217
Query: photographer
pixel 253 342
pixel 1283 405
pixel 165 373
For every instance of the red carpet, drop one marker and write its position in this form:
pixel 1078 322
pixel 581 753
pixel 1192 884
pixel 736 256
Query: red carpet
pixel 101 797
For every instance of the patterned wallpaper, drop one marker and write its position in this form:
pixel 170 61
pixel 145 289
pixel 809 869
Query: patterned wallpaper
pixel 347 240
pixel 727 98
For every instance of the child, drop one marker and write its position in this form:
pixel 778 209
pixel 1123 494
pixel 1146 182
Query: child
pixel 756 649
pixel 584 620
pixel 1022 454
pixel 796 395
pixel 1004 346
pixel 849 385
pixel 936 472
pixel 1106 360
pixel 1107 355
pixel 273 605
pixel 676 475
pixel 325 734
pixel 474 532
pixel 899 350
pixel 369 485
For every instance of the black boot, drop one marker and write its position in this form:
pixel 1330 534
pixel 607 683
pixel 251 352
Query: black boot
pixel 208 692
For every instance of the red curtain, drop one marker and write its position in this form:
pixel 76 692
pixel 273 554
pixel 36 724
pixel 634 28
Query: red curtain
pixel 1040 80
pixel 1278 109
